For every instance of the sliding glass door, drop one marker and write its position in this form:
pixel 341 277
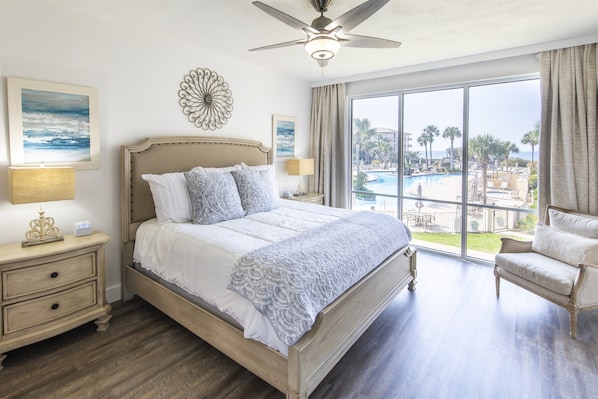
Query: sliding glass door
pixel 502 199
pixel 375 154
pixel 457 165
pixel 433 176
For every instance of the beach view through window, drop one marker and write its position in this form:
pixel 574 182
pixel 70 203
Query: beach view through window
pixel 468 156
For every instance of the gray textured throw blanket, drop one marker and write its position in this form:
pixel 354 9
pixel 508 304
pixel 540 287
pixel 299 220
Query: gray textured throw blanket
pixel 293 280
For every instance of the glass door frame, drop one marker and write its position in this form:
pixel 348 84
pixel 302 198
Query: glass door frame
pixel 400 195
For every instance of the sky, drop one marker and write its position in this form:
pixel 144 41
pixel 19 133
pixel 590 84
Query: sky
pixel 505 110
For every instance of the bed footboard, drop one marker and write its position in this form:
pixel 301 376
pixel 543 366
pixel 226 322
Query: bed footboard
pixel 340 324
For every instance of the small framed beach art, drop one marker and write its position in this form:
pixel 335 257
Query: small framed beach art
pixel 283 136
pixel 52 124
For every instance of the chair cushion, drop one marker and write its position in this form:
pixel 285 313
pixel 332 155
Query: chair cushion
pixel 546 272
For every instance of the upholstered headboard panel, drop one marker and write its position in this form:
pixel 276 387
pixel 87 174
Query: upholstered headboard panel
pixel 157 155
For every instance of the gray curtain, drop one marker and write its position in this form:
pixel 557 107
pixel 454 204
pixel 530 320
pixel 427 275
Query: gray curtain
pixel 568 175
pixel 329 145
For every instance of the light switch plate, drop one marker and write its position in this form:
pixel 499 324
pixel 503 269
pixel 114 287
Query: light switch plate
pixel 83 228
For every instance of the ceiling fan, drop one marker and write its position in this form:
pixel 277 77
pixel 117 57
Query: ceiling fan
pixel 326 36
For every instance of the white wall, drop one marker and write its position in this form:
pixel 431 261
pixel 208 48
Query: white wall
pixel 438 75
pixel 137 77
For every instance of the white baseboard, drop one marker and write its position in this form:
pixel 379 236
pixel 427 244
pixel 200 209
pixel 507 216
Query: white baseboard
pixel 113 294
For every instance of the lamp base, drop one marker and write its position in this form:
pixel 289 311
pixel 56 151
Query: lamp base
pixel 42 231
pixel 37 241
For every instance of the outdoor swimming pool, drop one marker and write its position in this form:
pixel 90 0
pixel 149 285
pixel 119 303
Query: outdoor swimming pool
pixel 386 183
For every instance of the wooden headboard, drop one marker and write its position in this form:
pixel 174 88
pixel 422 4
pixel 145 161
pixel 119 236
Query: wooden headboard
pixel 157 155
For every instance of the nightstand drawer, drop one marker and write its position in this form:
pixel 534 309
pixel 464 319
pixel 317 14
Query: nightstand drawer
pixel 31 280
pixel 48 308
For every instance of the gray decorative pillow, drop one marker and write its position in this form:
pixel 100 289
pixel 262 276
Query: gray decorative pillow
pixel 255 190
pixel 269 168
pixel 214 197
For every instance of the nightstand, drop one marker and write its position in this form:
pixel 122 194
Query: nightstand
pixel 314 198
pixel 48 289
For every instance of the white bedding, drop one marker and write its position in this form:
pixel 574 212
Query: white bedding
pixel 200 258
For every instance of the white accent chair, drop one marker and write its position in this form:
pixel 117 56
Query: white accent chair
pixel 560 264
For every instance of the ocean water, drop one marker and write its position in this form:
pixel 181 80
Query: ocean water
pixel 72 154
pixel 47 151
pixel 527 155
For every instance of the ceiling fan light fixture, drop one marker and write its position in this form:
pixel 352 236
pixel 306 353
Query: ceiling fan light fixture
pixel 324 36
pixel 322 47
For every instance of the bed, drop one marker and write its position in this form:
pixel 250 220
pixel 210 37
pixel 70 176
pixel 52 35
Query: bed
pixel 307 361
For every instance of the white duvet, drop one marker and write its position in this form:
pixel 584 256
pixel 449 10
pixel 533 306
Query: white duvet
pixel 200 258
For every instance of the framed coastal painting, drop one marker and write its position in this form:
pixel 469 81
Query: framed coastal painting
pixel 283 136
pixel 53 124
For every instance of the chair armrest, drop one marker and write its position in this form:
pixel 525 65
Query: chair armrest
pixel 514 246
pixel 585 288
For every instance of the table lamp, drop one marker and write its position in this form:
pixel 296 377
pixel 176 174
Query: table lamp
pixel 41 184
pixel 300 167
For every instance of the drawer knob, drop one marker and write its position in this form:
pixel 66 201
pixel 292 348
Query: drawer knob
pixel 55 306
pixel 54 275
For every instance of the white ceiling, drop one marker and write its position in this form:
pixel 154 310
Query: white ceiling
pixel 432 31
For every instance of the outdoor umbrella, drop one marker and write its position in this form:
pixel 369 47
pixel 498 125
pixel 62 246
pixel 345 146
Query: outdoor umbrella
pixel 418 204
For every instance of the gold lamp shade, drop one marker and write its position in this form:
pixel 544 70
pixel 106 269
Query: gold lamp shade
pixel 41 184
pixel 27 185
pixel 300 167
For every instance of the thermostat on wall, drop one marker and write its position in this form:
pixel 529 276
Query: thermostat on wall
pixel 83 228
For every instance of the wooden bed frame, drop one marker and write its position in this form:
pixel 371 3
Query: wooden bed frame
pixel 336 328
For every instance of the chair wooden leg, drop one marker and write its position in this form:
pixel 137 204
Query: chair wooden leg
pixel 497 281
pixel 573 324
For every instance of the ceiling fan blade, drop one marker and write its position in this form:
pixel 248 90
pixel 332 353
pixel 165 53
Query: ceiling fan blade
pixel 367 42
pixel 357 15
pixel 278 45
pixel 286 18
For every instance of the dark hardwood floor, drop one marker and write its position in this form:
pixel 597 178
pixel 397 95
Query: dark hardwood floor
pixel 449 339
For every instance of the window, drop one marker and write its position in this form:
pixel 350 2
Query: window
pixel 468 162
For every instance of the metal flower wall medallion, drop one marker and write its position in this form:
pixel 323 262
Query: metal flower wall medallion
pixel 206 99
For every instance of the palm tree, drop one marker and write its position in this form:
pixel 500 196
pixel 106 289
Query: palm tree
pixel 423 141
pixel 484 147
pixel 532 138
pixel 508 148
pixel 451 133
pixel 410 157
pixel 381 148
pixel 431 131
pixel 363 138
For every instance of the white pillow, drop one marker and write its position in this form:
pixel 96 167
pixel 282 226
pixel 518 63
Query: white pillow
pixel 171 197
pixel 214 197
pixel 225 169
pixel 272 170
pixel 586 226
pixel 566 247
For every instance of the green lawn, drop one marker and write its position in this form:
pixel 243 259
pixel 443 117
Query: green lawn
pixel 483 242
